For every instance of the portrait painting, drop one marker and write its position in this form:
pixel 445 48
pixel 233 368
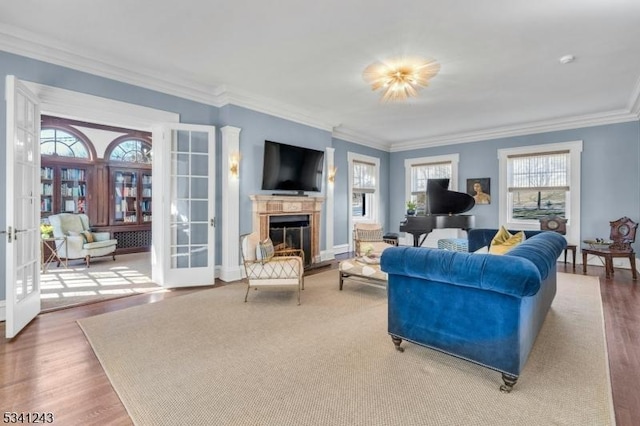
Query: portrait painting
pixel 480 190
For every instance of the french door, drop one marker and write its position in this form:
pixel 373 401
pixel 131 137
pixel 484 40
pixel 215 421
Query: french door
pixel 23 206
pixel 187 225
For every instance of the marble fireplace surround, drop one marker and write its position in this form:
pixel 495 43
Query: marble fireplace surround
pixel 265 206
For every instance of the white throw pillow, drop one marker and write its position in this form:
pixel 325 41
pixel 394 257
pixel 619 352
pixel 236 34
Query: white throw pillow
pixel 482 250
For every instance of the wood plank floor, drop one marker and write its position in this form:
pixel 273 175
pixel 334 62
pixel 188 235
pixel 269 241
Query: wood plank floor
pixel 50 366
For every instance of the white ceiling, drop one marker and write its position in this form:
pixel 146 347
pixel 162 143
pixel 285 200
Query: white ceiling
pixel 303 60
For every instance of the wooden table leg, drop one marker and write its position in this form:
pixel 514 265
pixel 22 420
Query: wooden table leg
pixel 584 263
pixel 608 267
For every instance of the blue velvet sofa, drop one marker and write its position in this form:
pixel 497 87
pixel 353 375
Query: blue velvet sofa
pixel 484 308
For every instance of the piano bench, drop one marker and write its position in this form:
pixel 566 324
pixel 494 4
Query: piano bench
pixel 454 244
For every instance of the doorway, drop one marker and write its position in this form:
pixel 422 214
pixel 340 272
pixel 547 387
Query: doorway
pixel 78 106
pixel 103 174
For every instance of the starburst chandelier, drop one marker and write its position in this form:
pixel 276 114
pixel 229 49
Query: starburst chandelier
pixel 400 78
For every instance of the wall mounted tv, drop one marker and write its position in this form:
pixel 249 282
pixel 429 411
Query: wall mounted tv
pixel 291 168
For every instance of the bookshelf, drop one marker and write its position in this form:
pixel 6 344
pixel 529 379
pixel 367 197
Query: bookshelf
pixel 131 196
pixel 63 188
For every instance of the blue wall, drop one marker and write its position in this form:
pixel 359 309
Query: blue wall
pixel 256 128
pixel 609 182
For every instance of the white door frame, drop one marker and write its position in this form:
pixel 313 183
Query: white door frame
pixel 80 106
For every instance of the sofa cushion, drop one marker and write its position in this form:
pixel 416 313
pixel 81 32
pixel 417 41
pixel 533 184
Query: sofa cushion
pixel 99 244
pixel 505 241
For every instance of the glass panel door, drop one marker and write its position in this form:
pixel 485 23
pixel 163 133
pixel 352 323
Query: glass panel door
pixel 191 186
pixel 23 207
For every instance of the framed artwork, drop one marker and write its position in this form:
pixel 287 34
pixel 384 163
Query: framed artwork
pixel 480 190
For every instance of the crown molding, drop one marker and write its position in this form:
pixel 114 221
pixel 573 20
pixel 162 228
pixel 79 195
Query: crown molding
pixel 23 43
pixel 360 139
pixel 634 100
pixel 237 97
pixel 590 120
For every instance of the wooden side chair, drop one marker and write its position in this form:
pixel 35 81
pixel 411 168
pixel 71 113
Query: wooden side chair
pixel 623 234
pixel 559 224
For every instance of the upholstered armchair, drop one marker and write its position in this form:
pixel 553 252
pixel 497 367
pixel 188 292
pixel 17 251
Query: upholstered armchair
pixel 266 267
pixel 81 243
pixel 368 239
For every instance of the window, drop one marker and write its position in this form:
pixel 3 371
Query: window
pixel 419 170
pixel 538 181
pixel 131 151
pixel 538 185
pixel 62 143
pixel 363 189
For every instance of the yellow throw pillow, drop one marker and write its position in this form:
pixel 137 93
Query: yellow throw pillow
pixel 504 241
pixel 88 236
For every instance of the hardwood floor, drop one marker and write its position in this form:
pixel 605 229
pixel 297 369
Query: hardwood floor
pixel 50 366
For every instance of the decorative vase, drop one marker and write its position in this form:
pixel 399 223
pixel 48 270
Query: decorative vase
pixel 411 212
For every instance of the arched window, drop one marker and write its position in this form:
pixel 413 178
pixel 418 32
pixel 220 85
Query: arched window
pixel 62 143
pixel 131 150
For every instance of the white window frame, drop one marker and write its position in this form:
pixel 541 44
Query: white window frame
pixel 375 198
pixel 454 159
pixel 433 237
pixel 572 212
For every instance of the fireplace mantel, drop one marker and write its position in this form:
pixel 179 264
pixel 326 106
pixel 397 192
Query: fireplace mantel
pixel 265 206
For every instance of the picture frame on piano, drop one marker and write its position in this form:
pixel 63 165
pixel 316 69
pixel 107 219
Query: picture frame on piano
pixel 480 190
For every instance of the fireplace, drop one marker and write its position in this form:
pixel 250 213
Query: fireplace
pixel 291 232
pixel 286 219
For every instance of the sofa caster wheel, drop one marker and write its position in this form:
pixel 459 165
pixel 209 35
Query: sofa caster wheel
pixel 396 341
pixel 509 382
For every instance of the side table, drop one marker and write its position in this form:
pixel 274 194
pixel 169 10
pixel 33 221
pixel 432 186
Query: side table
pixel 52 245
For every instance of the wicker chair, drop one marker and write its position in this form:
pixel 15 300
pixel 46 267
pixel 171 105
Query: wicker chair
pixel 283 268
pixel 368 239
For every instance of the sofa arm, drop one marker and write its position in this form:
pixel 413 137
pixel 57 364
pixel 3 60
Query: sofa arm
pixel 511 275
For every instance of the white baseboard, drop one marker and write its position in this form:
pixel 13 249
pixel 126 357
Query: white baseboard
pixel 230 274
pixel 3 311
pixel 340 249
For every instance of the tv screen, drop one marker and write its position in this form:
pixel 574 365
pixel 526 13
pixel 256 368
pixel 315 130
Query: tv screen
pixel 291 168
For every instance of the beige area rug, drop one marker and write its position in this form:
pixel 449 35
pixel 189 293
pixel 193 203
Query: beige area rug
pixel 208 358
pixel 105 279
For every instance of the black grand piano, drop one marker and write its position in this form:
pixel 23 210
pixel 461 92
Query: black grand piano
pixel 442 211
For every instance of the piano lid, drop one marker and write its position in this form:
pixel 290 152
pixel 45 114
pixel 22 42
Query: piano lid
pixel 442 201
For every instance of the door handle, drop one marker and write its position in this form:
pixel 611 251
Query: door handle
pixel 9 233
pixel 16 231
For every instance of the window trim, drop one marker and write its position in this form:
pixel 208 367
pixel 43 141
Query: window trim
pixel 454 159
pixel 573 200
pixel 117 141
pixel 375 216
pixel 74 132
pixel 375 213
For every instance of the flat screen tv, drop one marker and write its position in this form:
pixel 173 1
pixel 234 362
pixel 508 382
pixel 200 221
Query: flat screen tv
pixel 291 168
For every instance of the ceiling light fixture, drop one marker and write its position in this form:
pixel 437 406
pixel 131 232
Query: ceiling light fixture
pixel 400 78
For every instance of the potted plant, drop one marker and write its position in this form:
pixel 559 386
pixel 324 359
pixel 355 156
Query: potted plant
pixel 46 230
pixel 411 208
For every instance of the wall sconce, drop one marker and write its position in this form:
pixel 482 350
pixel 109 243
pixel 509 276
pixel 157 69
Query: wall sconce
pixel 234 165
pixel 331 176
